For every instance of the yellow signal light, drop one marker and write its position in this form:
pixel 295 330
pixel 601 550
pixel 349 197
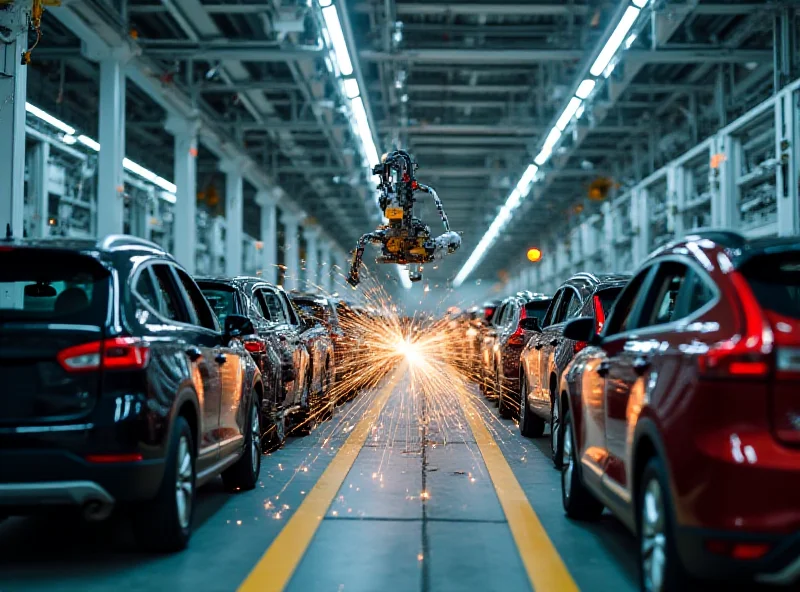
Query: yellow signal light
pixel 534 255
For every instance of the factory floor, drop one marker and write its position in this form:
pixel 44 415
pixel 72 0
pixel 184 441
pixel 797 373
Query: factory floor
pixel 399 492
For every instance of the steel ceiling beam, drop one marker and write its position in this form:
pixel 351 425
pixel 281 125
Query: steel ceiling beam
pixel 463 103
pixel 664 88
pixel 466 128
pixel 235 87
pixel 467 89
pixel 488 9
pixel 474 56
pixel 436 140
pixel 244 52
pixel 698 56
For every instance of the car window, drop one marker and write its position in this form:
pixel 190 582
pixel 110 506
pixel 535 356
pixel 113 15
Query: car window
pixel 568 304
pixel 146 289
pixel 536 308
pixel 622 315
pixel 170 300
pixel 607 298
pixel 222 299
pixel 205 317
pixel 497 321
pixel 312 309
pixel 574 307
pixel 775 282
pixel 697 293
pixel 43 286
pixel 271 306
pixel 660 305
pixel 551 310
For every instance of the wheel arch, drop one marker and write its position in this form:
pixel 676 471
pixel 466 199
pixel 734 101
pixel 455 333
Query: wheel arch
pixel 188 407
pixel 647 444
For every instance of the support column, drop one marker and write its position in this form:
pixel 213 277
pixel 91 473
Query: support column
pixel 13 87
pixel 268 200
pixel 291 249
pixel 312 258
pixel 111 135
pixel 234 188
pixel 185 226
pixel 326 263
pixel 38 159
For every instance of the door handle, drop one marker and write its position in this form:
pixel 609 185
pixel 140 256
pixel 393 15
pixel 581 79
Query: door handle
pixel 603 368
pixel 554 342
pixel 641 364
pixel 194 353
pixel 220 358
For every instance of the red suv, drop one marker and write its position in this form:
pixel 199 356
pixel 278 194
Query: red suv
pixel 684 415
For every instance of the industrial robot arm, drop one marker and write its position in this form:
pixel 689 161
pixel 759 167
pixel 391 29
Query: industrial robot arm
pixel 405 239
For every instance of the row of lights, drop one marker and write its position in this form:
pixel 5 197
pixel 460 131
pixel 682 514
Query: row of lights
pixel 342 66
pixel 603 66
pixel 69 138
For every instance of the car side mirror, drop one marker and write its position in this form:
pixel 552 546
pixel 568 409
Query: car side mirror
pixel 238 326
pixel 582 329
pixel 531 324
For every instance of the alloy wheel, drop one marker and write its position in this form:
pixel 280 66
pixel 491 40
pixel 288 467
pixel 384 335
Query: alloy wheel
pixel 184 483
pixel 567 462
pixel 654 538
pixel 554 428
pixel 523 400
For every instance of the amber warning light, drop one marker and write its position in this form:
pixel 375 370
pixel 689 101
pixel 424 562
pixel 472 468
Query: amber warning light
pixel 534 255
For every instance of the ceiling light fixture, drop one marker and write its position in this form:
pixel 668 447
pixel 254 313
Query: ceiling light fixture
pixel 47 118
pixel 337 40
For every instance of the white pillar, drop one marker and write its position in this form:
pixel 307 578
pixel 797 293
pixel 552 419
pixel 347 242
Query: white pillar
pixel 268 200
pixel 326 263
pixel 111 135
pixel 234 187
pixel 312 258
pixel 185 227
pixel 291 249
pixel 13 87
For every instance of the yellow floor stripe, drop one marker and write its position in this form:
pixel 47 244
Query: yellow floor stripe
pixel 274 570
pixel 546 569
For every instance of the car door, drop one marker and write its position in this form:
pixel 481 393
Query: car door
pixel 286 341
pixel 200 348
pixel 231 359
pixel 551 338
pixel 536 344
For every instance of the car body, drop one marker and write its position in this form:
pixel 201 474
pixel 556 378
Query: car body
pixel 510 339
pixel 126 388
pixel 485 342
pixel 321 322
pixel 352 362
pixel 547 353
pixel 684 418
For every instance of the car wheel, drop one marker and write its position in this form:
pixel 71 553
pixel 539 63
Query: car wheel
pixel 275 436
pixel 327 394
pixel 530 425
pixel 503 408
pixel 164 523
pixel 556 439
pixel 307 420
pixel 660 567
pixel 577 500
pixel 243 474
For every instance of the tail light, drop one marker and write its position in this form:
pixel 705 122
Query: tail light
pixel 119 353
pixel 599 322
pixel 748 355
pixel 518 336
pixel 113 458
pixel 255 346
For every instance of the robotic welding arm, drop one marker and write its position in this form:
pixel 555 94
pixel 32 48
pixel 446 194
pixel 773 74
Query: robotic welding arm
pixel 404 239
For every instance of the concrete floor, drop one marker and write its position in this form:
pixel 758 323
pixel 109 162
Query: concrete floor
pixel 378 534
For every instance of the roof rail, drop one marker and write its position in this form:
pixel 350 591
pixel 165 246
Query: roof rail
pixel 118 240
pixel 585 274
pixel 723 236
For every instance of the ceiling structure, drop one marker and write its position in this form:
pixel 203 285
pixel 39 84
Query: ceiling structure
pixel 470 88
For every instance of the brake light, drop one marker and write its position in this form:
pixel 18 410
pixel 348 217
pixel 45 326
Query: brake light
pixel 518 336
pixel 119 353
pixel 599 314
pixel 113 458
pixel 578 346
pixel 255 346
pixel 748 355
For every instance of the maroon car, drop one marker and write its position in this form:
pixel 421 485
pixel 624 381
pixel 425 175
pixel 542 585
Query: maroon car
pixel 684 416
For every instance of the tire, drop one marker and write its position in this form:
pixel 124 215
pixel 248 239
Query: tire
pixel 328 403
pixel 530 425
pixel 275 435
pixel 164 524
pixel 578 501
pixel 655 520
pixel 307 420
pixel 556 433
pixel 243 474
pixel 503 408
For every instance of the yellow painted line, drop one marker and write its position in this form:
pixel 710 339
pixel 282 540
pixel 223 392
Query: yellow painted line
pixel 276 567
pixel 546 569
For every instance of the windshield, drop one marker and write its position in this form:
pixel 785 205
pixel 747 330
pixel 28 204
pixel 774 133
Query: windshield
pixel 53 287
pixel 775 281
pixel 221 299
pixel 608 297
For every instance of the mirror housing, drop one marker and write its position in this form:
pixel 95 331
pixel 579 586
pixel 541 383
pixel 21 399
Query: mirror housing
pixel 531 324
pixel 582 329
pixel 238 326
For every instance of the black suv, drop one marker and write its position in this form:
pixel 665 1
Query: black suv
pixel 547 352
pixel 120 385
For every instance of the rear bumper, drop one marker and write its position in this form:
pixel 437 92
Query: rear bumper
pixel 780 565
pixel 48 477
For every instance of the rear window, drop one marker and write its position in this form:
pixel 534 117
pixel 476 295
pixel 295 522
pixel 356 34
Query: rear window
pixel 221 299
pixel 537 308
pixel 52 287
pixel 775 281
pixel 607 298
